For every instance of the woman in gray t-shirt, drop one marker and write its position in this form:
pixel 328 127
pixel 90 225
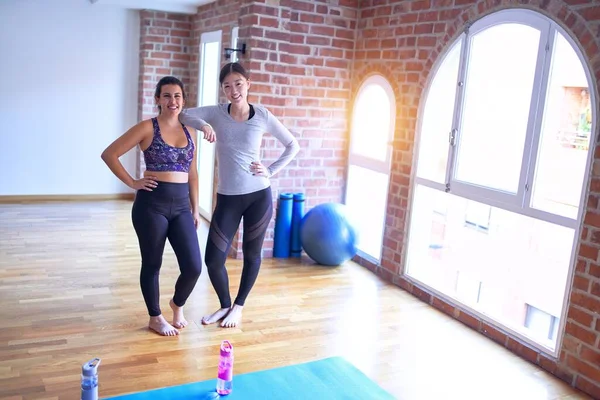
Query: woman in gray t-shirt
pixel 243 188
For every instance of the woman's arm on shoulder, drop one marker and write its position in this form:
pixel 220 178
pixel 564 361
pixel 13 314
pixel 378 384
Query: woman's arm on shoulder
pixel 133 137
pixel 281 133
pixel 200 118
pixel 197 117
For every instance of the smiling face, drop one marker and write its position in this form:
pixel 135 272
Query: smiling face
pixel 170 99
pixel 235 86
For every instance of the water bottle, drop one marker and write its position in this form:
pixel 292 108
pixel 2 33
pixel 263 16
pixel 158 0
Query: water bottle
pixel 89 380
pixel 225 374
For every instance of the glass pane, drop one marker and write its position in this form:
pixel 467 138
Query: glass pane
pixel 565 136
pixel 371 123
pixel 437 119
pixel 210 74
pixel 367 190
pixel 498 92
pixel 515 263
pixel 209 79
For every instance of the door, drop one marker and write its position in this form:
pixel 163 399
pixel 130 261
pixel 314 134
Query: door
pixel 208 94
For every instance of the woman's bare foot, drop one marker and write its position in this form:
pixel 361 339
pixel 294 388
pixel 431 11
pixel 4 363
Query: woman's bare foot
pixel 233 318
pixel 216 316
pixel 179 320
pixel 162 327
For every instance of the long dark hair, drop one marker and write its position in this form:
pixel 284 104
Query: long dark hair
pixel 168 80
pixel 231 68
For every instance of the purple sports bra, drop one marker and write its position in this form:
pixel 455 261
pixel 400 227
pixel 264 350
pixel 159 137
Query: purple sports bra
pixel 159 156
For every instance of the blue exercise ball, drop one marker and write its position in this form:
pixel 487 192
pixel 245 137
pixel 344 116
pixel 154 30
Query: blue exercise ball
pixel 328 235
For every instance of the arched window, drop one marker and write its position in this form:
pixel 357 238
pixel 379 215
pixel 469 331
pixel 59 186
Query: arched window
pixel 503 155
pixel 369 162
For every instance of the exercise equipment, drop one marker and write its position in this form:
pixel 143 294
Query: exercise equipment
pixel 333 378
pixel 297 215
pixel 328 235
pixel 283 226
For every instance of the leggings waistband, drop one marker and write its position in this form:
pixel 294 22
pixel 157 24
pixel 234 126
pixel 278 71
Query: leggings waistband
pixel 166 190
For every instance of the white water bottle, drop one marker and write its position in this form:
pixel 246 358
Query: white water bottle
pixel 89 380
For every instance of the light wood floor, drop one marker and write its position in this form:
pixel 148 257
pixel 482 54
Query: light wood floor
pixel 69 292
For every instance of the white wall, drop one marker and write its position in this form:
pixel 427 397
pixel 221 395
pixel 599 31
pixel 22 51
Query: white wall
pixel 69 73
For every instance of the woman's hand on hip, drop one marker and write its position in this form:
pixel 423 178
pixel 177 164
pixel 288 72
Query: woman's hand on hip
pixel 258 169
pixel 146 183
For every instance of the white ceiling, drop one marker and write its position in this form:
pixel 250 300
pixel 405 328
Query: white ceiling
pixel 178 6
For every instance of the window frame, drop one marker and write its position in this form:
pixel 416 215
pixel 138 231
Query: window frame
pixel 520 202
pixel 365 161
pixel 361 161
pixel 528 164
pixel 463 188
pixel 207 38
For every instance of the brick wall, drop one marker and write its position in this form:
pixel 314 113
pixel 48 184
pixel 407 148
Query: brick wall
pixel 221 15
pixel 300 60
pixel 402 40
pixel 165 40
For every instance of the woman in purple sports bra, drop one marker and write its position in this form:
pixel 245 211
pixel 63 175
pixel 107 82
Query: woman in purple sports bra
pixel 166 201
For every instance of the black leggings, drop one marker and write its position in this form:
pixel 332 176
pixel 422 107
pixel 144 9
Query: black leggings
pixel 257 209
pixel 157 215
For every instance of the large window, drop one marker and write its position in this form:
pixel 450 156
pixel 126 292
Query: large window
pixel 503 154
pixel 370 161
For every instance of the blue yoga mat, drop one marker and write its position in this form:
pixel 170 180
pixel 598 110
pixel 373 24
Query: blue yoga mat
pixel 283 226
pixel 297 215
pixel 331 378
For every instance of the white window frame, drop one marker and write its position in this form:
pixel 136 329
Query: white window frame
pixel 530 154
pixel 467 189
pixel 368 162
pixel 519 202
pixel 358 160
pixel 206 211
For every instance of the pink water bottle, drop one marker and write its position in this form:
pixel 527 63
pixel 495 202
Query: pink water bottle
pixel 225 375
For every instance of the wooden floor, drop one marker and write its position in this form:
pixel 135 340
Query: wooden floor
pixel 69 292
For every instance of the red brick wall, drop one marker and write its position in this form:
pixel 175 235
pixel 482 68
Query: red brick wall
pixel 402 40
pixel 300 57
pixel 164 50
pixel 220 15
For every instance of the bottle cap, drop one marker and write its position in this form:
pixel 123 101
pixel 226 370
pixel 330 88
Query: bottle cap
pixel 226 348
pixel 90 368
